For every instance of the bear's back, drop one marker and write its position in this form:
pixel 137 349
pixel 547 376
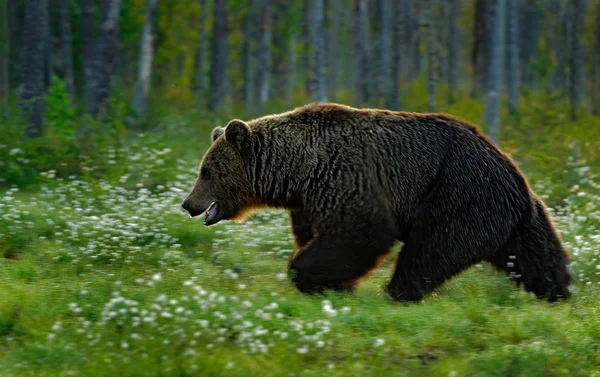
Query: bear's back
pixel 341 119
pixel 379 139
pixel 401 156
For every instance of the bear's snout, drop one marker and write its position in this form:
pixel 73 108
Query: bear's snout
pixel 191 208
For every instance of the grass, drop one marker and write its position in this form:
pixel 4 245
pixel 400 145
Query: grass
pixel 110 277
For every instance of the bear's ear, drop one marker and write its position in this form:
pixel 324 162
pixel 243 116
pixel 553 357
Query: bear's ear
pixel 216 132
pixel 237 133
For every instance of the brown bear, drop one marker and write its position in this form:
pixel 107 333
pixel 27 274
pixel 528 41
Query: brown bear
pixel 358 180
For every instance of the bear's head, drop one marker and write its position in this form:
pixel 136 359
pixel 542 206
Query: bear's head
pixel 223 190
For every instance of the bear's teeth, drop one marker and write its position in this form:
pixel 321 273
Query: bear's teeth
pixel 211 213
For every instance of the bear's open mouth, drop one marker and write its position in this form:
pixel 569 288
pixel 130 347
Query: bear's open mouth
pixel 211 212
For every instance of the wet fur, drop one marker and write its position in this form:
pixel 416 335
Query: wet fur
pixel 358 180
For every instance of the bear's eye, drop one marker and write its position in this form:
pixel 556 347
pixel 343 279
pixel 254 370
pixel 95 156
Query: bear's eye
pixel 204 173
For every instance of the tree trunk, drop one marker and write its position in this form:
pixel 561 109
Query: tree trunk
pixel 246 61
pixel 279 24
pixel 494 67
pixel 596 66
pixel 15 59
pixel 481 47
pixel 440 24
pixel 105 58
pixel 415 41
pixel 307 50
pixel 48 48
pixel 66 48
pixel 431 79
pixel 88 41
pixel 558 41
pixel 512 26
pixel 563 55
pixel 201 52
pixel 140 99
pixel 407 37
pixel 396 47
pixel 4 56
pixel 334 49
pixel 530 38
pixel 360 53
pixel 576 19
pixel 218 66
pixel 264 53
pixel 454 7
pixel 34 42
pixel 289 71
pixel 383 49
pixel 319 91
pixel 370 70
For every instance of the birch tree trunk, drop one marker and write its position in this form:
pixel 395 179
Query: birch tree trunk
pixel 88 41
pixel 264 53
pixel 370 68
pixel 429 34
pixel 576 20
pixel 454 7
pixel 407 37
pixel 280 15
pixel 396 47
pixel 48 48
pixel 15 57
pixel 219 55
pixel 66 48
pixel 307 50
pixel 105 58
pixel 290 71
pixel 319 91
pixel 512 26
pixel 383 69
pixel 246 61
pixel 596 66
pixel 416 7
pixel 481 47
pixel 494 67
pixel 334 49
pixel 34 42
pixel 201 52
pixel 4 55
pixel 563 47
pixel 140 99
pixel 530 38
pixel 360 53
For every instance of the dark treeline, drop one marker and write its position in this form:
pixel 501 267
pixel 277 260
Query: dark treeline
pixel 216 54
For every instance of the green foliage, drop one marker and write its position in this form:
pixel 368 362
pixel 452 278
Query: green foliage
pixel 63 149
pixel 103 273
pixel 178 33
pixel 131 23
pixel 543 145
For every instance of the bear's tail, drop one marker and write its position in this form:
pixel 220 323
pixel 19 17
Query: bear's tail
pixel 535 257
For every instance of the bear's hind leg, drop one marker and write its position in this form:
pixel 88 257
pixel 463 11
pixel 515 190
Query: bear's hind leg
pixel 534 256
pixel 420 270
pixel 446 237
pixel 337 262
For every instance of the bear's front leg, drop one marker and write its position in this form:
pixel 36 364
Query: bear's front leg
pixel 336 262
pixel 301 227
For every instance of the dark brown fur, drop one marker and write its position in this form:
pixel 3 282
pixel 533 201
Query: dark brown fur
pixel 356 181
